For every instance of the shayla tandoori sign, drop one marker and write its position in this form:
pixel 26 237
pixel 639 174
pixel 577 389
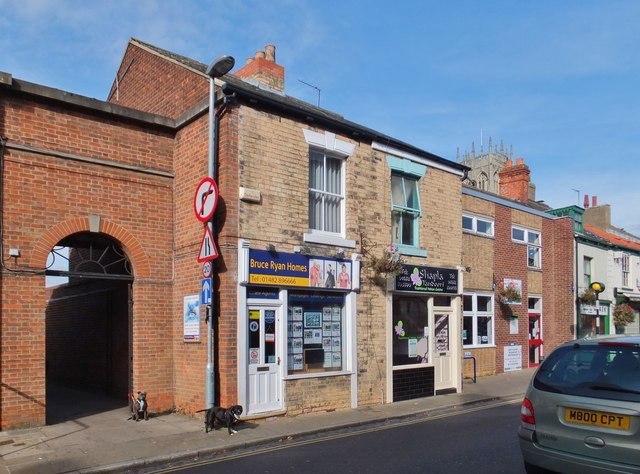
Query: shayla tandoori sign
pixel 293 269
pixel 427 279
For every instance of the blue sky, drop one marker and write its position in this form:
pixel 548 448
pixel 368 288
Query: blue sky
pixel 557 80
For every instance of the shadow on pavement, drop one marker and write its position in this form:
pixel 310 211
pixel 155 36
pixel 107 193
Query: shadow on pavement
pixel 66 403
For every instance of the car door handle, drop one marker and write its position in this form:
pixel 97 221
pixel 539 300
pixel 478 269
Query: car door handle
pixel 594 442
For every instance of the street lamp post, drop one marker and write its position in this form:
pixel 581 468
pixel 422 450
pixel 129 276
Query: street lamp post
pixel 219 67
pixel 597 288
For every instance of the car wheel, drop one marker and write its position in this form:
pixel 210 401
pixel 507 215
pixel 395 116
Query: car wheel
pixel 531 469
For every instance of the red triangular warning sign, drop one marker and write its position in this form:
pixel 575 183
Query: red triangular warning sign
pixel 208 250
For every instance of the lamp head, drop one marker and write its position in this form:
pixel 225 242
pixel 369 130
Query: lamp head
pixel 597 287
pixel 220 66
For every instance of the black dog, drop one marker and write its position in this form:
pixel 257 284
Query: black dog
pixel 139 407
pixel 224 416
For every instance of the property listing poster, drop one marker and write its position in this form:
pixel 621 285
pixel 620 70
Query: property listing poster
pixel 314 331
pixel 191 318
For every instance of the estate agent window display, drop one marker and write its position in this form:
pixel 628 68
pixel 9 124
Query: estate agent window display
pixel 315 332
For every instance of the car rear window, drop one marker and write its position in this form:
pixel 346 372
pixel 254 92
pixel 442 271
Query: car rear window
pixel 606 371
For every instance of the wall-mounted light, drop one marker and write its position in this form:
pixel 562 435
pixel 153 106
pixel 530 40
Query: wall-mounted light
pixel 271 247
pixel 340 253
pixel 14 253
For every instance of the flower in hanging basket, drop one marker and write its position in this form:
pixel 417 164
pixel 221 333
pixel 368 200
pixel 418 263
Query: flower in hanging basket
pixel 508 294
pixel 623 314
pixel 588 296
pixel 390 262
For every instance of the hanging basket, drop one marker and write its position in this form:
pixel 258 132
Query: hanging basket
pixel 390 263
pixel 623 314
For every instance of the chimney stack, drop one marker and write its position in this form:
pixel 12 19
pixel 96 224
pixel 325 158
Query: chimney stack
pixel 594 201
pixel 263 69
pixel 515 181
pixel 586 201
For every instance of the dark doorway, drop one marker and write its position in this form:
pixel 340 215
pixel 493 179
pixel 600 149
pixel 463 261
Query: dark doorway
pixel 88 327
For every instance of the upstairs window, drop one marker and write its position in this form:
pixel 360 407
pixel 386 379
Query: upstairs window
pixel 406 209
pixel 477 225
pixel 405 201
pixel 534 245
pixel 624 261
pixel 326 192
pixel 327 189
pixel 586 271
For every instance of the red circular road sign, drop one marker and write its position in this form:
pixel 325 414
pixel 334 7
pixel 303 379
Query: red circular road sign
pixel 207 269
pixel 205 199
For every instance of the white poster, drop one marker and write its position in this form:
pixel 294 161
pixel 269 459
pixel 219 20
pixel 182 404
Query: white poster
pixel 191 318
pixel 512 358
pixel 513 326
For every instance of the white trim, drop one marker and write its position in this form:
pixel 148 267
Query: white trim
pixel 241 351
pixel 352 351
pixel 418 159
pixel 319 237
pixel 329 142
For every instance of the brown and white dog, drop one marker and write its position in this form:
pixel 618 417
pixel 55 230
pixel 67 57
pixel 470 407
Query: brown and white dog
pixel 224 416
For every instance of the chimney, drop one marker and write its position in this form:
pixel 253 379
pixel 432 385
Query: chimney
pixel 263 69
pixel 594 201
pixel 586 201
pixel 515 181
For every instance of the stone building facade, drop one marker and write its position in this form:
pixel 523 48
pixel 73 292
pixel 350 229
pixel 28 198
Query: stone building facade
pixel 114 183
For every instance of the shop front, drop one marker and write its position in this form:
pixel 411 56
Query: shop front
pixel 296 321
pixel 594 320
pixel 424 340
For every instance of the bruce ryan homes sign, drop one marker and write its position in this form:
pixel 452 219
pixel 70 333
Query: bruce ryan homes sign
pixel 297 270
pixel 418 278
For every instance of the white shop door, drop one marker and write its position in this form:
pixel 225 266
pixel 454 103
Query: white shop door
pixel 442 352
pixel 264 363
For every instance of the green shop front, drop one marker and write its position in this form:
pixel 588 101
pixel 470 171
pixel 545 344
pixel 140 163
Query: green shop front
pixel 424 336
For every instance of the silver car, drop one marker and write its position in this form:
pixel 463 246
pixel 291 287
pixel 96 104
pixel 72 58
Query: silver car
pixel 581 412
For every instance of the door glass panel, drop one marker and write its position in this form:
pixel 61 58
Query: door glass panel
pixel 270 336
pixel 254 337
pixel 442 333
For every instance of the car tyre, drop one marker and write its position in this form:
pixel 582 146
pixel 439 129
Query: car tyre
pixel 531 469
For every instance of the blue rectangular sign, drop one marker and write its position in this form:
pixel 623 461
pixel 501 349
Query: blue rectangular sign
pixel 205 293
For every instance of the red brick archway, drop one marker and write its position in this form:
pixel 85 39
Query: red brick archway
pixel 133 249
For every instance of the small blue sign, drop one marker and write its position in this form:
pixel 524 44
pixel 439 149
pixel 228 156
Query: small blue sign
pixel 205 294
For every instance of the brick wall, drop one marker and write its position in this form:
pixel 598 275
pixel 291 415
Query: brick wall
pixel 48 197
pixel 152 84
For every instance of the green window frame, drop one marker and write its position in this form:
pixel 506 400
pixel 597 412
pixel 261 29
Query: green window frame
pixel 406 208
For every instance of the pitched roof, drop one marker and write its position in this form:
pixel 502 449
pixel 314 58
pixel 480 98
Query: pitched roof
pixel 298 108
pixel 613 238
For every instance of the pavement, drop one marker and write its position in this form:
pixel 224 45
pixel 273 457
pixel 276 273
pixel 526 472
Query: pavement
pixel 100 439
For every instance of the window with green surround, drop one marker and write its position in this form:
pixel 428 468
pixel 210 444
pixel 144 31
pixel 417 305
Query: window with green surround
pixel 406 209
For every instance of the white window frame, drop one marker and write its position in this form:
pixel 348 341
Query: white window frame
pixel 535 246
pixel 328 144
pixel 474 225
pixel 626 268
pixel 475 313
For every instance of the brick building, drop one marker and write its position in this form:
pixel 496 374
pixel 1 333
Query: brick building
pixel 519 286
pixel 304 320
